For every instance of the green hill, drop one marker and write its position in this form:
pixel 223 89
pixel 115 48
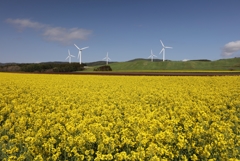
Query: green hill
pixel 145 65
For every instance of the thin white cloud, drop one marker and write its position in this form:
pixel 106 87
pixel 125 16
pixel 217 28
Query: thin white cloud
pixel 230 48
pixel 25 23
pixel 58 34
pixel 65 35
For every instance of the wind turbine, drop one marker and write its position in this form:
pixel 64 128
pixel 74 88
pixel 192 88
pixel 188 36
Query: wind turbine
pixel 152 56
pixel 80 52
pixel 163 50
pixel 69 56
pixel 106 58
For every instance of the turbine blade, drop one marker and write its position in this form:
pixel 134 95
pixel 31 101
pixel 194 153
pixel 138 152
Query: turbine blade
pixel 84 48
pixel 161 43
pixel 77 47
pixel 161 50
pixel 168 47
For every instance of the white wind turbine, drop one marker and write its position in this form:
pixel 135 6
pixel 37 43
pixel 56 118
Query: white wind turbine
pixel 163 50
pixel 152 56
pixel 80 52
pixel 106 58
pixel 69 56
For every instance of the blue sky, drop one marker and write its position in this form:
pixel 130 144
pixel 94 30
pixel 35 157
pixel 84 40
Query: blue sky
pixel 44 30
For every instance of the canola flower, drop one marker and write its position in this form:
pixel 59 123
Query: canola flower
pixel 70 117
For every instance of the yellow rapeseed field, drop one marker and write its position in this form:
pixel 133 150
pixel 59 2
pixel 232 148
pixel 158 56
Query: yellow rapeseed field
pixel 76 117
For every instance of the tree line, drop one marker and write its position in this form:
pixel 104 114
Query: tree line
pixel 42 67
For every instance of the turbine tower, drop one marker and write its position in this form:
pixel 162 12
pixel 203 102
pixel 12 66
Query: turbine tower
pixel 80 52
pixel 69 56
pixel 152 56
pixel 163 50
pixel 106 58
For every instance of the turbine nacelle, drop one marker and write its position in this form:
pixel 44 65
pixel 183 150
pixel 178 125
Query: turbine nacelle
pixel 106 58
pixel 80 52
pixel 152 56
pixel 81 48
pixel 163 45
pixel 69 56
pixel 163 49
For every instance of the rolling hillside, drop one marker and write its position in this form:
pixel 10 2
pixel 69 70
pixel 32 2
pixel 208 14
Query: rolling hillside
pixel 144 64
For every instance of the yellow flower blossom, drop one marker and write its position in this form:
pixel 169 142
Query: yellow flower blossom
pixel 72 117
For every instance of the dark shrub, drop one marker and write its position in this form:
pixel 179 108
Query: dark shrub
pixel 103 68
